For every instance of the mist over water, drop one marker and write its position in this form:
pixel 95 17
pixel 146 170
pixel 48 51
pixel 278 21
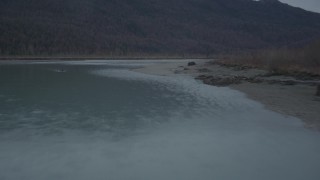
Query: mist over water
pixel 100 120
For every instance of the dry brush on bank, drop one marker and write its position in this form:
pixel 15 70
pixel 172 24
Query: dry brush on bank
pixel 297 62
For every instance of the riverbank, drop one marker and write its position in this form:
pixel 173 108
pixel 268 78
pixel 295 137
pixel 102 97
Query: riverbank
pixel 73 58
pixel 283 94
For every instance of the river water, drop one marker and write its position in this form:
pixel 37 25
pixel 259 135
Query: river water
pixel 99 120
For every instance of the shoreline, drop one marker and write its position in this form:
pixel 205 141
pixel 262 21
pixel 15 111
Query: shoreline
pixel 277 93
pixel 37 58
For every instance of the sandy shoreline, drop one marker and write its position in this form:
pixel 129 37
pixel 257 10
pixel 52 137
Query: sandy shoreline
pixel 293 100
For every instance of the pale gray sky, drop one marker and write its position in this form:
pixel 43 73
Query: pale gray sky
pixel 311 5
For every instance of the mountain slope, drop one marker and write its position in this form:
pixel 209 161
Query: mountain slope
pixel 126 27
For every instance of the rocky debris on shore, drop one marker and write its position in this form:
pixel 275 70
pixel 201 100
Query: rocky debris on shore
pixel 218 74
pixel 219 80
pixel 298 75
pixel 204 70
pixel 191 63
pixel 229 80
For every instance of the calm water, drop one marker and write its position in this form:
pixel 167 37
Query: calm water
pixel 98 120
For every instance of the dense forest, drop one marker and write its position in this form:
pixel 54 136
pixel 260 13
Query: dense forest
pixel 150 27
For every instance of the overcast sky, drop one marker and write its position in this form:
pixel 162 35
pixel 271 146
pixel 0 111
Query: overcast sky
pixel 311 5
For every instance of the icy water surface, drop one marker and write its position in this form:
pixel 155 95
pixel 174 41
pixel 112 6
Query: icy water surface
pixel 98 120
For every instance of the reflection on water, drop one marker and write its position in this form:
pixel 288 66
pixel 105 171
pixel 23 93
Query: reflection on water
pixel 99 120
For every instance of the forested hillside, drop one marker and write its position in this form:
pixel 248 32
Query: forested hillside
pixel 146 27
